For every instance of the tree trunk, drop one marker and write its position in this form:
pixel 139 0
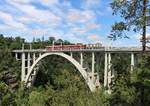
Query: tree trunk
pixel 144 25
pixel 142 97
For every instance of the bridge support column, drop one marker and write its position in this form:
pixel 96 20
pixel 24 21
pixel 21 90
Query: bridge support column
pixel 81 59
pixel 132 62
pixel 71 54
pixel 16 55
pixel 23 67
pixel 29 61
pixel 93 63
pixel 109 70
pixel 108 73
pixel 106 70
pixel 40 54
pixel 32 78
pixel 29 64
pixel 34 58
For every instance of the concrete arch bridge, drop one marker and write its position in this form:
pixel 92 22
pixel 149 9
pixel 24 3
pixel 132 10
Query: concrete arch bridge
pixel 30 59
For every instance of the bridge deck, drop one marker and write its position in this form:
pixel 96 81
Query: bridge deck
pixel 112 50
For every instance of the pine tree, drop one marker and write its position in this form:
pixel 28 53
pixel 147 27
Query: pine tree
pixel 134 17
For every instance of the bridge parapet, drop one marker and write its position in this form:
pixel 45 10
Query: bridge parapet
pixel 125 49
pixel 105 49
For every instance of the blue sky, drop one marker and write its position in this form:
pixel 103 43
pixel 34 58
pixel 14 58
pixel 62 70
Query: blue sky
pixel 87 21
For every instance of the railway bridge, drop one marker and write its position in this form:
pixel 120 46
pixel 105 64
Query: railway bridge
pixel 31 58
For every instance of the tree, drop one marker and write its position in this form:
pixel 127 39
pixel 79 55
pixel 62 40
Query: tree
pixel 141 81
pixel 51 39
pixel 33 39
pixel 36 98
pixel 134 14
pixel 6 97
pixel 59 41
pixel 43 38
pixel 66 42
pixel 123 94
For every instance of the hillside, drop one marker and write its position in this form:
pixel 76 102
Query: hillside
pixel 58 83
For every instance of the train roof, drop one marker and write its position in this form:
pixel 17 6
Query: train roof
pixel 63 45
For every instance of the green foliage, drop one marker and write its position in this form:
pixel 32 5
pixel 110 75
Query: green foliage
pixel 58 83
pixel 117 30
pixel 141 80
pixel 36 98
pixel 131 11
pixel 9 67
pixel 65 86
pixel 3 89
pixel 123 94
pixel 6 97
pixel 10 43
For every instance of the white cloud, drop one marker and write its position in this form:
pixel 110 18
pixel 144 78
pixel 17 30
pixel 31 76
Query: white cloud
pixel 10 21
pixel 25 20
pixel 84 29
pixel 44 2
pixel 20 1
pixel 136 36
pixel 39 15
pixel 94 37
pixel 92 3
pixel 91 26
pixel 48 2
pixel 48 21
pixel 73 38
pixel 79 30
pixel 81 16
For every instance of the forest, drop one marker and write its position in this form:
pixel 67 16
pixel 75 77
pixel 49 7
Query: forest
pixel 58 83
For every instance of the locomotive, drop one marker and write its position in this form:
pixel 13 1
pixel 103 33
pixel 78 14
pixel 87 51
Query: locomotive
pixel 74 47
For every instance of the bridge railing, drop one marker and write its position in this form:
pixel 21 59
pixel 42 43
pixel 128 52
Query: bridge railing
pixel 102 49
pixel 123 48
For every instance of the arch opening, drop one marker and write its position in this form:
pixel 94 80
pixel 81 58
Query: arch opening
pixel 70 59
pixel 57 72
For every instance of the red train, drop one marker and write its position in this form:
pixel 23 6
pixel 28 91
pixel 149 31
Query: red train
pixel 73 47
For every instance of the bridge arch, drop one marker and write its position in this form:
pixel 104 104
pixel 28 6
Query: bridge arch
pixel 71 60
